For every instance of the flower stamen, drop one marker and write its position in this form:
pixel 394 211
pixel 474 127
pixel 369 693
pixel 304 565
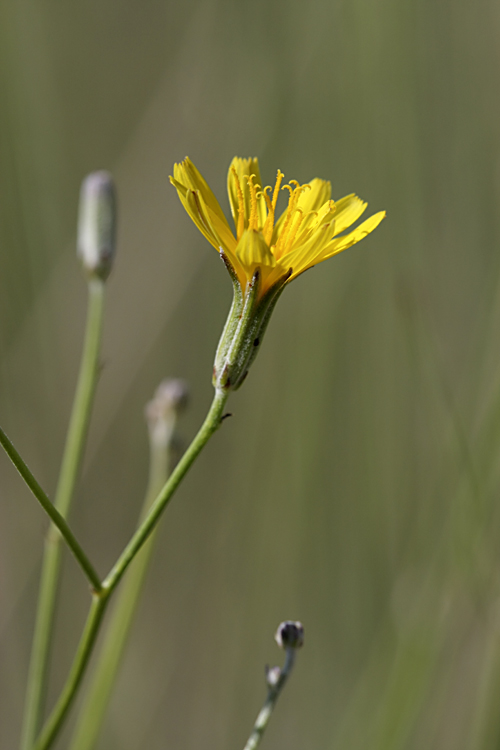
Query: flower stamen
pixel 268 227
pixel 253 220
pixel 267 198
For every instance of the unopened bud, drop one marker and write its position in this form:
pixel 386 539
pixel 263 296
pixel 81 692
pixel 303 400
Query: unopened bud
pixel 97 224
pixel 161 412
pixel 290 634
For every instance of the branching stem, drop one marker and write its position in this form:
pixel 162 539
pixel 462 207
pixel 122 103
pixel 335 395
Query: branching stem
pixel 54 515
pixel 56 719
pixel 209 426
pixel 265 712
pixel 70 468
pixel 117 629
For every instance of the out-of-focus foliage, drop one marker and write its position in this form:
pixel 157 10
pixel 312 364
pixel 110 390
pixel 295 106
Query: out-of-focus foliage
pixel 356 486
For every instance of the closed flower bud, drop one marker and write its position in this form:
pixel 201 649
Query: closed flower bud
pixel 290 634
pixel 97 224
pixel 161 412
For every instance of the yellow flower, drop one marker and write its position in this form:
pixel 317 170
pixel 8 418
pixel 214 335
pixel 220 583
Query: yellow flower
pixel 265 253
pixel 307 232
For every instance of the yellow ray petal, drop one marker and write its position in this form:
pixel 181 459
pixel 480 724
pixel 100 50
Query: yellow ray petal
pixel 337 245
pixel 348 210
pixel 187 174
pixel 311 200
pixel 209 223
pixel 222 231
pixel 192 206
pixel 342 243
pixel 244 168
pixel 314 223
pixel 316 196
pixel 308 253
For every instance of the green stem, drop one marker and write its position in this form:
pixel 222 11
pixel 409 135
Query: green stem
pixel 56 518
pixel 71 463
pixel 98 694
pixel 209 426
pixel 274 692
pixel 84 397
pixel 82 657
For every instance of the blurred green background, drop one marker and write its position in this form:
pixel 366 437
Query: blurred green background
pixel 356 486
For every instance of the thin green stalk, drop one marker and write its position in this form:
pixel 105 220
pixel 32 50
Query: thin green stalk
pixel 56 518
pixel 209 426
pixel 82 657
pixel 265 712
pixel 71 463
pixel 98 694
pixel 84 397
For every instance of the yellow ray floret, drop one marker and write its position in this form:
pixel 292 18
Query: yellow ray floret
pixel 307 232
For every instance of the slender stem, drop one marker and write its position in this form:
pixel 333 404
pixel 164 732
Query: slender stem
pixel 209 426
pixel 56 518
pixel 265 712
pixel 84 397
pixel 97 696
pixel 71 463
pixel 82 657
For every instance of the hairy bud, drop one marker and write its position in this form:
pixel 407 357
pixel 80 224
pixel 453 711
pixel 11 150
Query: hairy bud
pixel 97 224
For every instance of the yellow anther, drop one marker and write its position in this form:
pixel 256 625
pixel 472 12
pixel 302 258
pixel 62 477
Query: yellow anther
pixel 241 205
pixel 268 200
pixel 252 221
pixel 271 207
pixel 279 178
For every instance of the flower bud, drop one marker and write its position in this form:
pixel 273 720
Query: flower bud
pixel 97 224
pixel 161 412
pixel 290 634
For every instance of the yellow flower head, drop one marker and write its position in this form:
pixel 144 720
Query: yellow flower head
pixel 307 232
pixel 265 253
